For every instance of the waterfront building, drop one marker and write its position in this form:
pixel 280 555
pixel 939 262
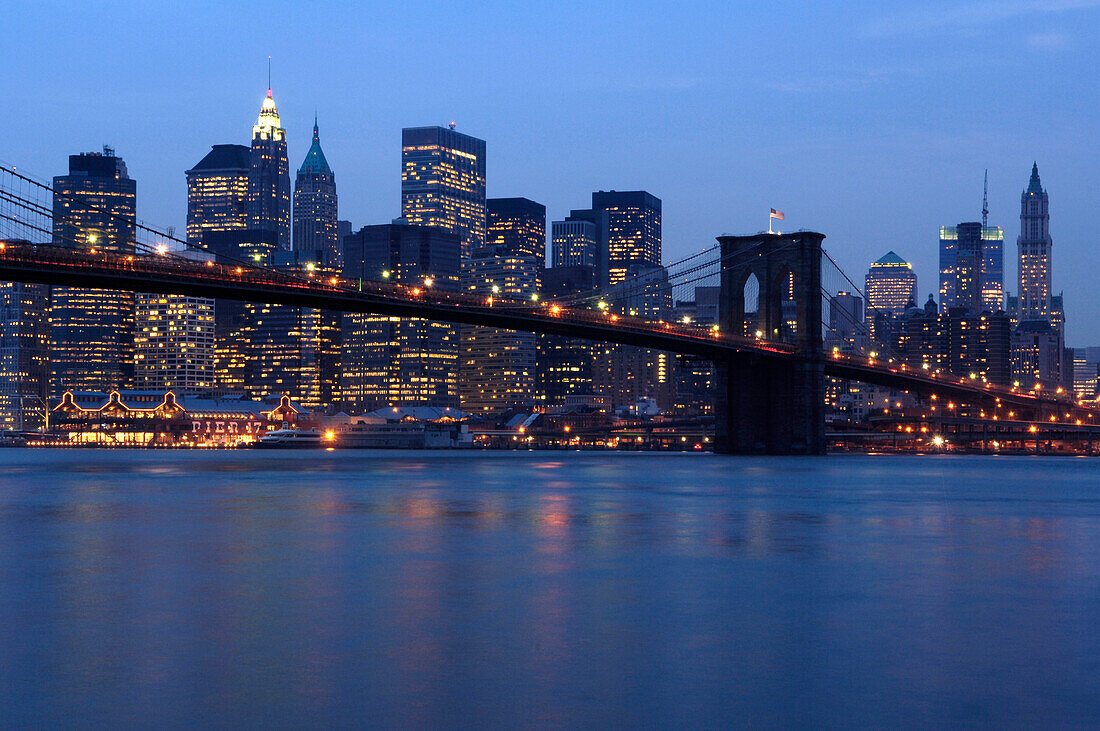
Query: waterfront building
pixel 574 241
pixel 315 219
pixel 497 367
pixel 565 366
pixel 24 355
pixel 972 267
pixel 443 183
pixel 269 176
pixel 392 360
pixel 144 418
pixel 629 232
pixel 174 342
pixel 217 192
pixel 92 331
pixel 1086 372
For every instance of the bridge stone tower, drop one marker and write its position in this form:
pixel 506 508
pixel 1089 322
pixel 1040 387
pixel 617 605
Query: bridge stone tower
pixel 765 406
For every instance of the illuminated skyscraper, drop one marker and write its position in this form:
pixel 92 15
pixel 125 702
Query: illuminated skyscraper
pixel 24 355
pixel 443 182
pixel 972 268
pixel 387 361
pixel 565 366
pixel 574 242
pixel 890 284
pixel 292 350
pixel 217 192
pixel 269 176
pixel 315 219
pixel 630 232
pixel 92 331
pixel 1034 246
pixel 497 368
pixel 174 342
pixel 518 227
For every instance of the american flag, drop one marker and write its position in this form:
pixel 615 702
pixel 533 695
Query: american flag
pixel 778 214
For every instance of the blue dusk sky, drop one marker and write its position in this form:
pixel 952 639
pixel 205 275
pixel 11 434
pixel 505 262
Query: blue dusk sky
pixel 871 122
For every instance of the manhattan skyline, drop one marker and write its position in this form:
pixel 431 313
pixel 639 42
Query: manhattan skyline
pixel 876 132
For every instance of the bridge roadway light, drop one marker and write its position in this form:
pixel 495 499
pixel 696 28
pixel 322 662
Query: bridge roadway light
pixel 496 289
pixel 427 281
pixel 385 274
pixel 162 249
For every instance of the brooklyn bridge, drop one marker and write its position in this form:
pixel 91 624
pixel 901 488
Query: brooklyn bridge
pixel 770 362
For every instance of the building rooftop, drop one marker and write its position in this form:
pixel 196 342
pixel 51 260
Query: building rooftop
pixel 315 162
pixel 225 157
pixel 890 259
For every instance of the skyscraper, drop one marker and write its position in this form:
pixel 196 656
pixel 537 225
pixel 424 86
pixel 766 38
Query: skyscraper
pixel 518 227
pixel 630 232
pixel 24 355
pixel 400 360
pixel 315 219
pixel 92 333
pixel 574 242
pixel 269 176
pixel 890 284
pixel 565 366
pixel 1034 246
pixel 972 267
pixel 174 342
pixel 443 182
pixel 217 192
pixel 497 367
pixel 289 349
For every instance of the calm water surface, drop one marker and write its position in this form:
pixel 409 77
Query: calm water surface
pixel 546 589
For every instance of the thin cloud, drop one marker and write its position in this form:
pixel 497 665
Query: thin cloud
pixel 1052 41
pixel 967 16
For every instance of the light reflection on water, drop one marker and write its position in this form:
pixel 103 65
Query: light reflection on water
pixel 473 589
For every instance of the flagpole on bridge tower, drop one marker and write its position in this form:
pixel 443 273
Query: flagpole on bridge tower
pixel 775 215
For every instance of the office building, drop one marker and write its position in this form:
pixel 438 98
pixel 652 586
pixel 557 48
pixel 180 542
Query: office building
pixel 316 226
pixel 574 241
pixel 174 344
pixel 629 231
pixel 269 176
pixel 1034 247
pixel 972 267
pixel 890 285
pixel 92 332
pixel 443 183
pixel 517 226
pixel 24 355
pixel 217 192
pixel 565 366
pixel 386 361
pixel 497 367
pixel 847 331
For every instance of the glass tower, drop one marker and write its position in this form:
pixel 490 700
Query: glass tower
pixel 24 355
pixel 890 285
pixel 443 182
pixel 92 331
pixel 972 267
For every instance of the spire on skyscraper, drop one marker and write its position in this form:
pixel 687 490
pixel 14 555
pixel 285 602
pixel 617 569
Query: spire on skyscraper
pixel 315 161
pixel 1034 187
pixel 269 115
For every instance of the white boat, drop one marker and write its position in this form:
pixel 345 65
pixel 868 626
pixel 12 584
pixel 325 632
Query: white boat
pixel 288 439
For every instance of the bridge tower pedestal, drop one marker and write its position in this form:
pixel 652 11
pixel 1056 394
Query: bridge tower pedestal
pixel 764 406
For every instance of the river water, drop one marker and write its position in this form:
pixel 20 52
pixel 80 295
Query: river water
pixel 547 589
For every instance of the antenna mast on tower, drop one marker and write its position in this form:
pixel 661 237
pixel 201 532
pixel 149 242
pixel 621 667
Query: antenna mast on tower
pixel 985 200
